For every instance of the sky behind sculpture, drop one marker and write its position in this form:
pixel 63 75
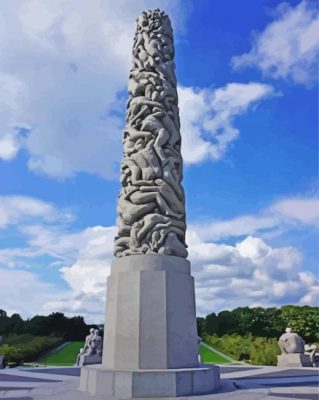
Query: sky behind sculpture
pixel 247 98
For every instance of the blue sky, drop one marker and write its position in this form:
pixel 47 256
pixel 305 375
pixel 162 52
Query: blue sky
pixel 248 104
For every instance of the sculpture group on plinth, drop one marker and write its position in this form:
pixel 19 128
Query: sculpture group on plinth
pixel 91 353
pixel 294 352
pixel 150 340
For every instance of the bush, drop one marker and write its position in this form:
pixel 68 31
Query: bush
pixel 9 352
pixel 18 348
pixel 255 350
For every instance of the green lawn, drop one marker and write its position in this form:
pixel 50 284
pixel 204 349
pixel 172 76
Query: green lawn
pixel 67 355
pixel 63 357
pixel 209 356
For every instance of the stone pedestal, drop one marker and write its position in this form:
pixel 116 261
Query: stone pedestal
pixel 150 337
pixel 294 360
pixel 96 380
pixel 89 360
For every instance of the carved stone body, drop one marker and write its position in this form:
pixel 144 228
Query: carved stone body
pixel 292 348
pixel 91 353
pixel 290 342
pixel 151 204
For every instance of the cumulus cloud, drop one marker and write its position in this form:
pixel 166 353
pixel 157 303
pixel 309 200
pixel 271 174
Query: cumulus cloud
pixel 207 117
pixel 63 65
pixel 82 258
pixel 288 48
pixel 62 78
pixel 247 273
pixel 87 276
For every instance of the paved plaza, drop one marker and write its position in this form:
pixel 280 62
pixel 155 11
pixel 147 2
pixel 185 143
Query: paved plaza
pixel 241 382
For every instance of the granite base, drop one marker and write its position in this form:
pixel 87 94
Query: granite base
pixel 99 381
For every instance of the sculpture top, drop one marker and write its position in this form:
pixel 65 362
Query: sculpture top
pixel 291 342
pixel 151 204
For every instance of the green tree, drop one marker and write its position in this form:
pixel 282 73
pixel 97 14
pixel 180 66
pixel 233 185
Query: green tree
pixel 303 320
pixel 227 323
pixel 201 326
pixel 15 324
pixel 211 324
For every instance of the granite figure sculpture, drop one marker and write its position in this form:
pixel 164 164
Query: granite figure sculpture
pixel 91 353
pixel 151 209
pixel 150 339
pixel 291 342
pixel 292 348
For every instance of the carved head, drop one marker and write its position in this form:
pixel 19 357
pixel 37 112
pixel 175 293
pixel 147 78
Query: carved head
pixel 92 330
pixel 153 20
pixel 288 330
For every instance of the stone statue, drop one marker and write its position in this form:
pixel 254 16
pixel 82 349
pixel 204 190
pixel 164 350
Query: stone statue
pixel 151 205
pixel 290 342
pixel 312 351
pixel 292 348
pixel 95 344
pixel 88 341
pixel 91 353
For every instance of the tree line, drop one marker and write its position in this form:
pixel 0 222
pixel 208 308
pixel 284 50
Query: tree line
pixel 262 322
pixel 55 324
pixel 258 321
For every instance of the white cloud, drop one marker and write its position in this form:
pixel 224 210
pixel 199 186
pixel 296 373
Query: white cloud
pixel 14 209
pixel 282 214
pixel 207 117
pixel 62 66
pixel 87 276
pixel 61 77
pixel 288 48
pixel 247 273
pixel 9 146
pixel 22 292
pixel 300 210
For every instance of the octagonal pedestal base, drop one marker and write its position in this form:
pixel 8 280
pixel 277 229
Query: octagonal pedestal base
pixel 97 380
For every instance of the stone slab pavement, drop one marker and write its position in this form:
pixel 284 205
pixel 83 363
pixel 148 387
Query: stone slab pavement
pixel 240 382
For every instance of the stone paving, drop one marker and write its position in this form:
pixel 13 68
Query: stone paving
pixel 239 382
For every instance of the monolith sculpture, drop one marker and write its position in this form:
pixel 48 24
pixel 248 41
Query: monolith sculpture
pixel 150 339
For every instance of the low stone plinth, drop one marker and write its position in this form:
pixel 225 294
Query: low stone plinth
pixel 89 360
pixel 97 380
pixel 294 360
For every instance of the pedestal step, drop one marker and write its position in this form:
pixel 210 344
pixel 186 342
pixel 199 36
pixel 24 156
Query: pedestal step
pixel 97 380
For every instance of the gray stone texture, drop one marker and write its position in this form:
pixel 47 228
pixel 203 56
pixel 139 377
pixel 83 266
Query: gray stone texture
pixel 150 338
pixel 294 360
pixel 151 205
pixel 291 342
pixel 88 360
pixel 149 383
pixel 150 317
